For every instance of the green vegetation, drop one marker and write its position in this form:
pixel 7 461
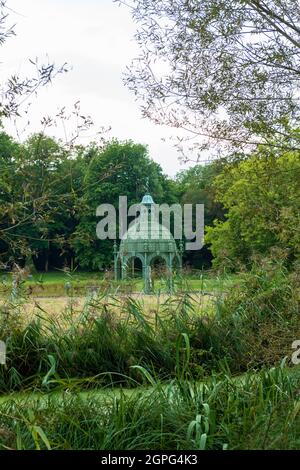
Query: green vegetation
pixel 210 366
pixel 249 209
pixel 60 283
pixel 53 225
pixel 261 411
pixel 176 373
pixel 231 74
pixel 261 196
pixel 113 333
pixel 217 381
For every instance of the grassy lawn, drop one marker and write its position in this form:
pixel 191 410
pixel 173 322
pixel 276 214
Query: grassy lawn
pixel 72 292
pixel 59 283
pixel 57 277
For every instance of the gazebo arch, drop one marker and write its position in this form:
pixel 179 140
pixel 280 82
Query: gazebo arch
pixel 147 239
pixel 130 257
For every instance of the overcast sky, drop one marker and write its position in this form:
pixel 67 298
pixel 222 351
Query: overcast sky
pixel 96 38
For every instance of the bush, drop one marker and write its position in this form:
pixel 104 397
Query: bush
pixel 260 317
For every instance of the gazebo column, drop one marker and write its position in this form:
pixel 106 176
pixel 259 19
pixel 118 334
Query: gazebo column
pixel 170 275
pixel 147 275
pixel 180 255
pixel 116 260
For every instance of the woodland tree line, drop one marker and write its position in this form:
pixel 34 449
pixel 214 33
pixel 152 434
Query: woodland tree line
pixel 49 195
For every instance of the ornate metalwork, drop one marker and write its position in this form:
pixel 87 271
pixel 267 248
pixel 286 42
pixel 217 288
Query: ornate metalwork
pixel 146 240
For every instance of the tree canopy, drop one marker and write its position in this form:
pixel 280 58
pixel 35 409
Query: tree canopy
pixel 226 70
pixel 261 197
pixel 120 169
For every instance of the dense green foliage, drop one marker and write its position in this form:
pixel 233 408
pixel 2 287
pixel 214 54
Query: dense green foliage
pixel 178 373
pixel 118 170
pixel 37 200
pixel 261 196
pixel 49 196
pixel 195 186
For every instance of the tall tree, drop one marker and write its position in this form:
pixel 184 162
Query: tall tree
pixel 35 195
pixel 195 186
pixel 14 91
pixel 226 70
pixel 121 169
pixel 261 196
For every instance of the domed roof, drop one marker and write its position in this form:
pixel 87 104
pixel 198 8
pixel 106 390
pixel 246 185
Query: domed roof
pixel 147 231
pixel 147 199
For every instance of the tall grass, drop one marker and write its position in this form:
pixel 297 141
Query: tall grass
pixel 253 326
pixel 209 380
pixel 257 411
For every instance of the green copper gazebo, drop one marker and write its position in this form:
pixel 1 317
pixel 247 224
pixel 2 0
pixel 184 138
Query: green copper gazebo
pixel 147 240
